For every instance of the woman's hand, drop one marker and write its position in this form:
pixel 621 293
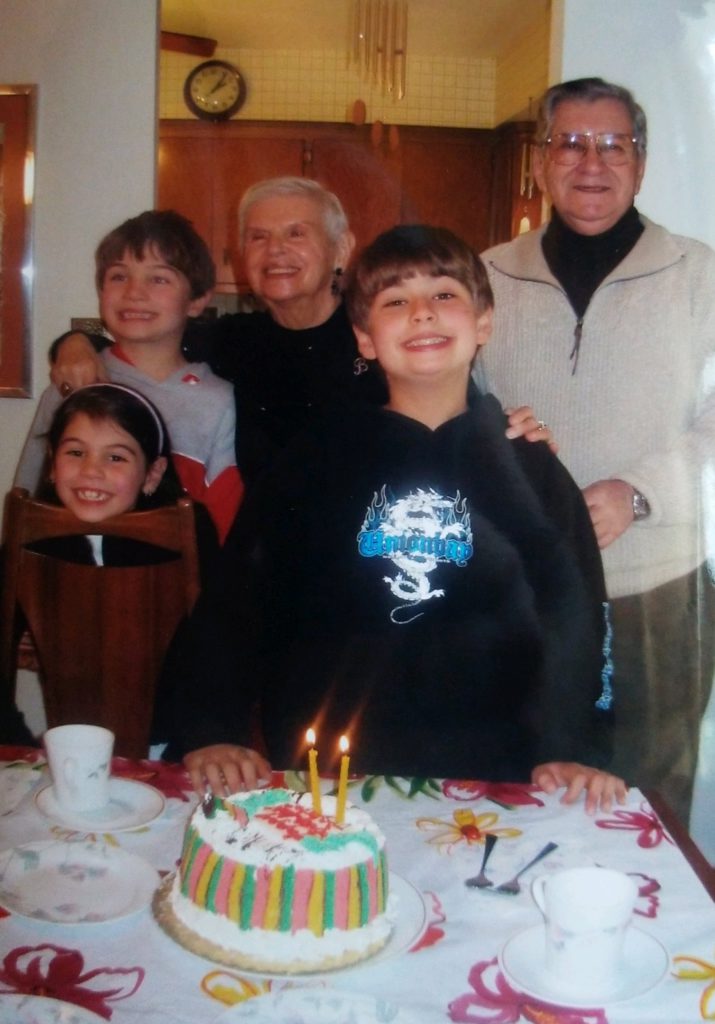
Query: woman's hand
pixel 226 768
pixel 601 788
pixel 77 364
pixel 523 423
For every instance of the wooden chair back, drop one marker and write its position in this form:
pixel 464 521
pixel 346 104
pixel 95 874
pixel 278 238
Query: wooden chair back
pixel 101 632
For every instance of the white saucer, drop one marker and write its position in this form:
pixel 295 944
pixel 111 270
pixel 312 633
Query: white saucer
pixel 645 962
pixel 75 883
pixel 131 805
pixel 315 1006
pixel 16 1009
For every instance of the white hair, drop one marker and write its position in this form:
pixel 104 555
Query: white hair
pixel 334 219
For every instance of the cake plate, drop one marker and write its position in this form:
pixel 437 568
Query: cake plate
pixel 410 921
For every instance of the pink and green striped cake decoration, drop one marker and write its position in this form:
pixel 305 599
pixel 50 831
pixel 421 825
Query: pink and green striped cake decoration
pixel 265 872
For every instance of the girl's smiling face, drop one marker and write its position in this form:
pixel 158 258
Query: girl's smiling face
pixel 99 469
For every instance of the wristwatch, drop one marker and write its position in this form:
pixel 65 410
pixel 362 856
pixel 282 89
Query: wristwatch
pixel 641 506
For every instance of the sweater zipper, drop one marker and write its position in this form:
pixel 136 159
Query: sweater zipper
pixel 578 329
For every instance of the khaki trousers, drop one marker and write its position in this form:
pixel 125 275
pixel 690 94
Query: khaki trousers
pixel 664 658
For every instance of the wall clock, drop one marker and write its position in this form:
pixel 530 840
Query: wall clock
pixel 214 90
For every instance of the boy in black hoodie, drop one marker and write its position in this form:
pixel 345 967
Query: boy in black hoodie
pixel 405 574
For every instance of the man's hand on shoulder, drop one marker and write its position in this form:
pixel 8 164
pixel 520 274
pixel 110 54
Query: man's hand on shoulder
pixel 523 423
pixel 76 365
pixel 610 505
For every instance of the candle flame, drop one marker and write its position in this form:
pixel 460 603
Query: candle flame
pixel 344 744
pixel 310 737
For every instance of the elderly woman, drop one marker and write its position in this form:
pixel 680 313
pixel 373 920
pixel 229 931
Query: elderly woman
pixel 299 353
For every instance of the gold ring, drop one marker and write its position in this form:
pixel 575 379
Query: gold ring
pixel 540 425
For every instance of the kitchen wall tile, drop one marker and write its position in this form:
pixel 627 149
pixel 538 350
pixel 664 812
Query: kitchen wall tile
pixel 316 85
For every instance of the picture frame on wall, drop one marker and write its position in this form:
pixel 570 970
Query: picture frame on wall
pixel 18 104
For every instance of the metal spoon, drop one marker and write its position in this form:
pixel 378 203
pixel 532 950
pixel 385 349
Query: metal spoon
pixel 481 881
pixel 512 887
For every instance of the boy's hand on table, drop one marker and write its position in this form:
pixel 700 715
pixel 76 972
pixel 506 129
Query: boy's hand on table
pixel 226 768
pixel 601 788
pixel 77 364
pixel 523 423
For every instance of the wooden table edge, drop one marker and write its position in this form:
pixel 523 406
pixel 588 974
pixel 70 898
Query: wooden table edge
pixel 684 841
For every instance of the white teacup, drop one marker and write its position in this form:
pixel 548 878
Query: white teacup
pixel 80 757
pixel 587 912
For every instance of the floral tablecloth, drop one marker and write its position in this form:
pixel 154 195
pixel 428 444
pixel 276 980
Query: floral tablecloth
pixel 130 972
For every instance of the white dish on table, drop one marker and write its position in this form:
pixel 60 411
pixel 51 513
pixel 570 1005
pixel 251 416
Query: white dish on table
pixel 74 883
pixel 314 1005
pixel 131 805
pixel 16 781
pixel 18 1009
pixel 645 962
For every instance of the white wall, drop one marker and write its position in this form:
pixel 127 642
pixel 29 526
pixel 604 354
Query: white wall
pixel 95 65
pixel 94 62
pixel 660 50
pixel 664 51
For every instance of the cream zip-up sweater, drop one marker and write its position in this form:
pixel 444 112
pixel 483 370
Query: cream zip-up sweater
pixel 640 405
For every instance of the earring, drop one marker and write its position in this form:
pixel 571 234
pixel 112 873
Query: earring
pixel 335 283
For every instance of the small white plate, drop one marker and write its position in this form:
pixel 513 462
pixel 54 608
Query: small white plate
pixel 131 805
pixel 16 1009
pixel 75 883
pixel 315 1006
pixel 645 962
pixel 16 782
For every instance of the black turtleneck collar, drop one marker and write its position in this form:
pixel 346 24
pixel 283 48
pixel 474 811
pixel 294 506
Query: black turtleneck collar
pixel 580 262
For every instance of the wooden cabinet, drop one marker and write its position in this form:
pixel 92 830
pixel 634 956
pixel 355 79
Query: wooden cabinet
pixel 203 173
pixel 186 181
pixel 382 176
pixel 446 180
pixel 516 202
pixel 364 176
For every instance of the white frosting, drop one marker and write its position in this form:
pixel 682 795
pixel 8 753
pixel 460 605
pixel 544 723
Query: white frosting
pixel 258 842
pixel 283 947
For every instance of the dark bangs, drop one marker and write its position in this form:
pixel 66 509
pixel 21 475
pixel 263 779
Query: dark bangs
pixel 172 237
pixel 408 250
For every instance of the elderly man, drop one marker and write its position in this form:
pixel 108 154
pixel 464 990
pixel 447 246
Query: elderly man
pixel 606 322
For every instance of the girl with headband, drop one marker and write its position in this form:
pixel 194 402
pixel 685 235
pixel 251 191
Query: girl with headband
pixel 107 453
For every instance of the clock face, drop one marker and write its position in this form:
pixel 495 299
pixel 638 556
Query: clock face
pixel 214 90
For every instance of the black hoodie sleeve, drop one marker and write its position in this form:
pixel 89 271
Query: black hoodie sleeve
pixel 579 620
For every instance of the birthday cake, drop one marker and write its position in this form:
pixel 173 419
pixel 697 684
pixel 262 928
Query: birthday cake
pixel 267 884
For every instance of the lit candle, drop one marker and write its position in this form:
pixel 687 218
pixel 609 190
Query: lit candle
pixel 342 781
pixel 313 772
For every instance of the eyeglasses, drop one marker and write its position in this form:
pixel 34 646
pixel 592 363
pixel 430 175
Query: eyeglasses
pixel 569 148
